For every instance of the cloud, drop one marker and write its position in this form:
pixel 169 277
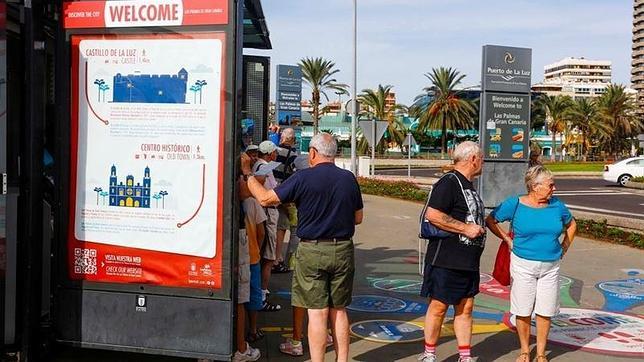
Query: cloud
pixel 163 183
pixel 201 68
pixel 400 40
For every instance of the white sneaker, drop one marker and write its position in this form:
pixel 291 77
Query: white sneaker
pixel 465 359
pixel 427 357
pixel 251 354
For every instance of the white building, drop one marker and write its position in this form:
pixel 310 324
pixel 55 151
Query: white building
pixel 575 77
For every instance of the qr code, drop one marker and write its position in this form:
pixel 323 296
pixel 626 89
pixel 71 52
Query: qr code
pixel 85 261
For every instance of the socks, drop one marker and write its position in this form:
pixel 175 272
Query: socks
pixel 464 351
pixel 430 348
pixel 264 292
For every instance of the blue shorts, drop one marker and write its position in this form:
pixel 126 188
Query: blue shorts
pixel 448 285
pixel 255 302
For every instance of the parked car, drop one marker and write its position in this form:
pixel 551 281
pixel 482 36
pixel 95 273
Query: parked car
pixel 622 171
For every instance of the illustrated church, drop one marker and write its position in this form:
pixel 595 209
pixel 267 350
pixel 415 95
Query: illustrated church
pixel 129 194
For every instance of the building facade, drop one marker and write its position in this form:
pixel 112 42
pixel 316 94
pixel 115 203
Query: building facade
pixel 637 70
pixel 576 77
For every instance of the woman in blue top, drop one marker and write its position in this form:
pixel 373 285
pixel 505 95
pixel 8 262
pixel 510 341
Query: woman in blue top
pixel 537 221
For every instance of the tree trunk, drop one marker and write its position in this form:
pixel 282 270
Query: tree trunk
pixel 584 150
pixel 316 111
pixel 443 138
pixel 554 146
pixel 561 154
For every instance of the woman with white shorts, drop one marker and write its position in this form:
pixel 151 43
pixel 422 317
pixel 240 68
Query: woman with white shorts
pixel 538 220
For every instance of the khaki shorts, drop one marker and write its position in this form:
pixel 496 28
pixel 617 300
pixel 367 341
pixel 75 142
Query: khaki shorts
pixel 269 250
pixel 535 287
pixel 283 222
pixel 323 276
pixel 243 277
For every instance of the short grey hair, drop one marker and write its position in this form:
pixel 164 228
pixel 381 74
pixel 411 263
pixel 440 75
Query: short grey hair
pixel 325 144
pixel 535 175
pixel 465 150
pixel 288 135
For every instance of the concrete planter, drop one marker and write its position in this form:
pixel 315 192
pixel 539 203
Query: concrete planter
pixel 635 185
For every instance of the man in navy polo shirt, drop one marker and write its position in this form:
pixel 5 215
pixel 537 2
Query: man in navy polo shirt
pixel 329 205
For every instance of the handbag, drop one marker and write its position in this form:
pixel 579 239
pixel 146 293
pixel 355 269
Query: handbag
pixel 429 230
pixel 501 270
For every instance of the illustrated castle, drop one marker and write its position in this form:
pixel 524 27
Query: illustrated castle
pixel 150 88
pixel 130 195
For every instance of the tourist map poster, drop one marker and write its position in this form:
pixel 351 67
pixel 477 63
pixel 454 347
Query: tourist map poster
pixel 147 138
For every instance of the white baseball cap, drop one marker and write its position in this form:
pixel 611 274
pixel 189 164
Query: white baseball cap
pixel 251 148
pixel 267 147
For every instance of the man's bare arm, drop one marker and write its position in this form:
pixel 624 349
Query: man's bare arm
pixel 265 197
pixel 448 223
pixel 359 216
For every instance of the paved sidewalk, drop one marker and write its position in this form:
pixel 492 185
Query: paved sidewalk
pixel 386 254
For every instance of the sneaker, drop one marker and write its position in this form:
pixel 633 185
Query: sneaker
pixel 290 347
pixel 465 359
pixel 251 354
pixel 427 357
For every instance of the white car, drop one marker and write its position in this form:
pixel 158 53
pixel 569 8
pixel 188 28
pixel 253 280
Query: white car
pixel 624 170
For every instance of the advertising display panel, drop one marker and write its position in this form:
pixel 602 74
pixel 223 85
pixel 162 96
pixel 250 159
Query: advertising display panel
pixel 507 126
pixel 147 136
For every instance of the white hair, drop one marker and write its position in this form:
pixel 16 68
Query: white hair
pixel 465 150
pixel 288 135
pixel 536 175
pixel 325 144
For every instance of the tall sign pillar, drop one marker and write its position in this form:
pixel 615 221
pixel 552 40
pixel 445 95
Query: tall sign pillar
pixel 504 121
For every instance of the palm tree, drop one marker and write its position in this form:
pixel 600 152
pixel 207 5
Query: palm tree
pixel 442 106
pixel 555 108
pixel 103 195
pixel 194 89
pixel 98 191
pixel 163 195
pixel 99 83
pixel 200 84
pixel 318 75
pixel 375 106
pixel 103 88
pixel 583 116
pixel 618 110
pixel 157 197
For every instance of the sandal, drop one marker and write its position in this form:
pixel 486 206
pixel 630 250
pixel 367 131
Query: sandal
pixel 524 357
pixel 254 337
pixel 270 307
pixel 542 358
pixel 280 268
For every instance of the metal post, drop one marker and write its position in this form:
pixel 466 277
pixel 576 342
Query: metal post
pixel 373 149
pixel 409 155
pixel 354 118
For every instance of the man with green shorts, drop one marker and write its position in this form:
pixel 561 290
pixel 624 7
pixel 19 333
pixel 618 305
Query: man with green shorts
pixel 329 205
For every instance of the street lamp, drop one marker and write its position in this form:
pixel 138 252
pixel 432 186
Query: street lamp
pixel 354 118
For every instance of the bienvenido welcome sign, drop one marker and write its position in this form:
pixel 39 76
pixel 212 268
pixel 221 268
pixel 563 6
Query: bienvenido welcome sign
pixel 141 13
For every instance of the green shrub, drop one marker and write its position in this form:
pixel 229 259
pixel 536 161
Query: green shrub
pixel 638 179
pixel 399 189
pixel 600 230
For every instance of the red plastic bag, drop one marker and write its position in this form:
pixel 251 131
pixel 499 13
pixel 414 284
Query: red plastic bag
pixel 502 265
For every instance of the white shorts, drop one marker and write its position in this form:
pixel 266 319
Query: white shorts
pixel 243 277
pixel 535 287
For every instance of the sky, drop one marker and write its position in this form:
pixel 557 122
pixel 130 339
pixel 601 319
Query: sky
pixel 401 40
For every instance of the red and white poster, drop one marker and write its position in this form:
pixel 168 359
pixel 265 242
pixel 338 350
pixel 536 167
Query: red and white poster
pixel 141 13
pixel 147 159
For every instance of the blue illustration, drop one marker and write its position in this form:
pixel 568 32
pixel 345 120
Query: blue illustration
pixel 129 195
pixel 102 87
pixel 151 88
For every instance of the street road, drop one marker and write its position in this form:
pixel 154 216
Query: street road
pixel 584 194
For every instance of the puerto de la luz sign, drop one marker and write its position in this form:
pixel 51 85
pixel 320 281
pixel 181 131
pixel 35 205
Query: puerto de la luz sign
pixel 506 69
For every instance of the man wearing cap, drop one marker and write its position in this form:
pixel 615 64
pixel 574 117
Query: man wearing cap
pixel 329 205
pixel 251 151
pixel 267 153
